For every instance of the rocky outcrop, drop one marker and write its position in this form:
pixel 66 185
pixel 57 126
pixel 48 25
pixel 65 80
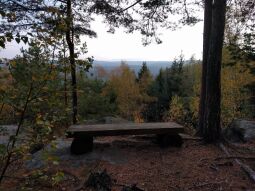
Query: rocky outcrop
pixel 240 131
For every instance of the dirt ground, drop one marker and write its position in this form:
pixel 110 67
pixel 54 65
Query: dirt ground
pixel 138 160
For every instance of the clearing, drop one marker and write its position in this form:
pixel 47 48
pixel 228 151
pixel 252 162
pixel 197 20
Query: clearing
pixel 138 160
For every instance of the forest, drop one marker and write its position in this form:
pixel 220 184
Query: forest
pixel 172 95
pixel 50 86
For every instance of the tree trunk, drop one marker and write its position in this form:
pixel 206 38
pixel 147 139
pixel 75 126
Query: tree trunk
pixel 65 85
pixel 206 42
pixel 70 42
pixel 65 72
pixel 211 124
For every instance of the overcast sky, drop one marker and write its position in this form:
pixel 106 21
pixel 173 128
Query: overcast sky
pixel 122 46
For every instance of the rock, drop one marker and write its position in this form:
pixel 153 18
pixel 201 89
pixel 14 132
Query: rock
pixel 240 131
pixel 60 150
pixel 6 131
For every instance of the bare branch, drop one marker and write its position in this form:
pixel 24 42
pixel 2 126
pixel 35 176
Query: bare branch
pixel 125 9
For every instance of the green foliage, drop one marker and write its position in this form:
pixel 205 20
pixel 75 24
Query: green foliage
pixel 48 21
pixel 191 78
pixel 92 102
pixel 57 178
pixel 174 76
pixel 123 85
pixel 42 178
pixel 145 81
pixel 176 111
pixel 183 111
pixel 168 83
pixel 38 113
pixel 8 37
pixel 34 67
pixel 172 96
pixel 237 80
pixel 144 73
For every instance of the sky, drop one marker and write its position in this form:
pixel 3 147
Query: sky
pixel 121 46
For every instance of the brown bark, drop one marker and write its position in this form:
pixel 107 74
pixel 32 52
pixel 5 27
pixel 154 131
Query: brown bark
pixel 65 74
pixel 65 86
pixel 211 123
pixel 206 42
pixel 70 43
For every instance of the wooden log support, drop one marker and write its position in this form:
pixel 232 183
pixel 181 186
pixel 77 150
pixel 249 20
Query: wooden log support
pixel 82 145
pixel 166 140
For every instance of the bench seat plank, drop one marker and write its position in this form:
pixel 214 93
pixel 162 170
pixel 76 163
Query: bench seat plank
pixel 124 129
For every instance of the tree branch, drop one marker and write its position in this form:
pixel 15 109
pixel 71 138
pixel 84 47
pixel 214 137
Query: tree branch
pixel 125 9
pixel 250 172
pixel 7 163
pixel 236 157
pixel 25 8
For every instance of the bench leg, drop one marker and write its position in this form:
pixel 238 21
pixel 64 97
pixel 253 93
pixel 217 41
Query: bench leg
pixel 82 145
pixel 165 140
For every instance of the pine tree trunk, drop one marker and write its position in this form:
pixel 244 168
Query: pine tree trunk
pixel 211 124
pixel 70 42
pixel 65 74
pixel 206 42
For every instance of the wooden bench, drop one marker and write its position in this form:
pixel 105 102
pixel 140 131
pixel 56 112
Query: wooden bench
pixel 167 133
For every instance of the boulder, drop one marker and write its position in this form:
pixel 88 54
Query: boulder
pixel 240 131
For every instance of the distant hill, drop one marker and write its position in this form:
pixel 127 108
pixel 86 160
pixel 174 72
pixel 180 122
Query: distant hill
pixel 154 66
